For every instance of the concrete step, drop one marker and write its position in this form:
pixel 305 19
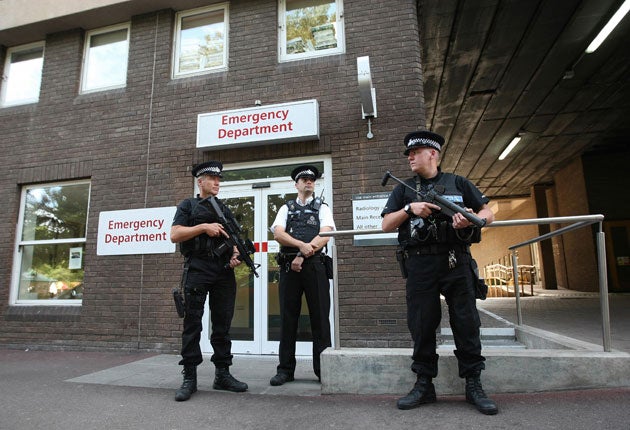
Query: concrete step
pixel 499 337
pixel 548 362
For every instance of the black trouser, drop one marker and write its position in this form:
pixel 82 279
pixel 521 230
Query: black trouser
pixel 428 276
pixel 219 285
pixel 313 283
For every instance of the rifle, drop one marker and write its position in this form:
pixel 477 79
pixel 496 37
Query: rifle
pixel 233 229
pixel 432 196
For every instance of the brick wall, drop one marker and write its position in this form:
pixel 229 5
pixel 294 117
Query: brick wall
pixel 140 140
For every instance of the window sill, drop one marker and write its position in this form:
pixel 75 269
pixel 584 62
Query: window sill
pixel 43 313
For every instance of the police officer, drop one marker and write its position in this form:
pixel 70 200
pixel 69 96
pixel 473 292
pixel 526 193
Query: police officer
pixel 297 227
pixel 436 251
pixel 208 271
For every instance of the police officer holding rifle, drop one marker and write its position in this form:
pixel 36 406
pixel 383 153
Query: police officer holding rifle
pixel 434 253
pixel 210 257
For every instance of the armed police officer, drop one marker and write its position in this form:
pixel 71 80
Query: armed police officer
pixel 302 271
pixel 208 271
pixel 435 249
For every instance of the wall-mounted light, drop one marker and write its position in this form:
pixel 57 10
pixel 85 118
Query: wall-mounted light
pixel 367 93
pixel 511 146
pixel 609 27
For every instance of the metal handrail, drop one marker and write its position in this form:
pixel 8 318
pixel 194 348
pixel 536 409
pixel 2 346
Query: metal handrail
pixel 578 222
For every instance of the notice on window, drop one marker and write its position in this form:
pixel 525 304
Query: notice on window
pixel 366 215
pixel 75 259
pixel 135 231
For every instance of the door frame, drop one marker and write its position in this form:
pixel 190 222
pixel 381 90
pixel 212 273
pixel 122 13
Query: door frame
pixel 260 188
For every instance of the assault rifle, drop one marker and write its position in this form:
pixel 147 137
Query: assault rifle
pixel 432 196
pixel 233 229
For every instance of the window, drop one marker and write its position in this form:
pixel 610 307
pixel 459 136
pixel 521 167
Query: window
pixel 201 41
pixel 22 76
pixel 105 59
pixel 310 28
pixel 48 260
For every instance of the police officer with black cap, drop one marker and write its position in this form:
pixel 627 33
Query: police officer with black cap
pixel 197 229
pixel 302 271
pixel 436 252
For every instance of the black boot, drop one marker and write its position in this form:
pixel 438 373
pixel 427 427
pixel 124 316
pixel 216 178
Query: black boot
pixel 423 392
pixel 189 386
pixel 225 381
pixel 476 396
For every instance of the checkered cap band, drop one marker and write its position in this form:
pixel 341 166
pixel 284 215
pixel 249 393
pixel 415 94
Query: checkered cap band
pixel 423 141
pixel 305 173
pixel 213 170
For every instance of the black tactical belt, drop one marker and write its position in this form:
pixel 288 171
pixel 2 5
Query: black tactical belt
pixel 438 248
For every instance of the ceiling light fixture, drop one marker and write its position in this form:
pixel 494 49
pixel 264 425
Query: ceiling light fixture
pixel 511 146
pixel 609 27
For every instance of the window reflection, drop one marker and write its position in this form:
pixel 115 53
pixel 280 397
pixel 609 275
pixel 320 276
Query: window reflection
pixel 312 28
pixel 55 212
pixel 201 41
pixel 106 59
pixel 23 74
pixel 243 322
pixel 52 242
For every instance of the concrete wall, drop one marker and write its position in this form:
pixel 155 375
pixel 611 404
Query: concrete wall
pixel 576 258
pixel 496 240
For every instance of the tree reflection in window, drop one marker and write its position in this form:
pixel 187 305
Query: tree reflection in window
pixel 310 25
pixel 52 241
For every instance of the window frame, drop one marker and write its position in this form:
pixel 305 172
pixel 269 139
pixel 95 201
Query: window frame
pixel 18 255
pixel 282 30
pixel 6 74
pixel 179 17
pixel 86 58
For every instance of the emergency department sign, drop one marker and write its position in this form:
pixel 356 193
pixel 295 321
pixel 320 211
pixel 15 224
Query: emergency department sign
pixel 136 231
pixel 286 122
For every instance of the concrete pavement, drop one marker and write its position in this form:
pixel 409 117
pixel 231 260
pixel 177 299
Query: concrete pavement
pixel 104 390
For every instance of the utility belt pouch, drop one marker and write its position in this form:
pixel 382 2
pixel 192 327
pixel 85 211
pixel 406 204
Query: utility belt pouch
pixel 327 261
pixel 481 289
pixel 180 307
pixel 223 247
pixel 178 295
pixel 400 257
pixel 280 259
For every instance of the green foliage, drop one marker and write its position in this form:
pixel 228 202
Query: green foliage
pixel 300 21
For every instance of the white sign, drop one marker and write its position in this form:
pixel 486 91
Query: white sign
pixel 135 231
pixel 366 215
pixel 75 258
pixel 286 122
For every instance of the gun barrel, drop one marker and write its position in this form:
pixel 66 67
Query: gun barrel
pixel 474 219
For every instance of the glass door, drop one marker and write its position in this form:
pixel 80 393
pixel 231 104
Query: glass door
pixel 256 323
pixel 275 197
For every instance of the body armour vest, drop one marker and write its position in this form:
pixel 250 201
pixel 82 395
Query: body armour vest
pixel 203 244
pixel 437 228
pixel 302 222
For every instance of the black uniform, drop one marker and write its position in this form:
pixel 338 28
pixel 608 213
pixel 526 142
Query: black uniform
pixel 438 261
pixel 302 224
pixel 206 274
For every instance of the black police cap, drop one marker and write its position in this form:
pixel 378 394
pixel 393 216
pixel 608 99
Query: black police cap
pixel 212 168
pixel 423 138
pixel 305 171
